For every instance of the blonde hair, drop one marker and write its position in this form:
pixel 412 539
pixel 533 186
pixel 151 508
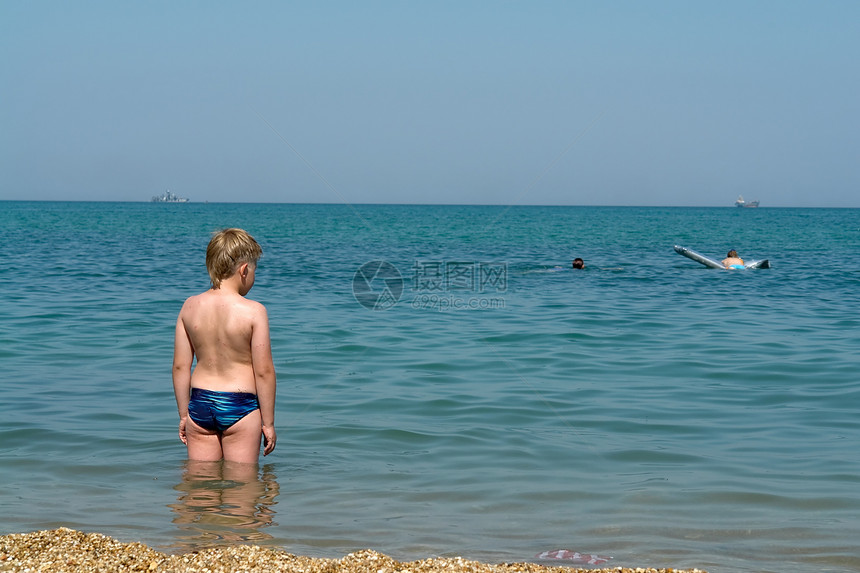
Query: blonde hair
pixel 228 249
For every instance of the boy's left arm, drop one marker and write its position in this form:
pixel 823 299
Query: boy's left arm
pixel 265 378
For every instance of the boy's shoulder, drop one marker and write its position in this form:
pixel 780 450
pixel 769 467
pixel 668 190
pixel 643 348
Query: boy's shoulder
pixel 198 299
pixel 208 297
pixel 248 305
pixel 253 304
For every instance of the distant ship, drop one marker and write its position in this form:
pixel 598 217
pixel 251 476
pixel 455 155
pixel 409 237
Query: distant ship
pixel 169 197
pixel 741 203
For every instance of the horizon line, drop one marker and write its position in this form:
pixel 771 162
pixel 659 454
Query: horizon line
pixel 190 202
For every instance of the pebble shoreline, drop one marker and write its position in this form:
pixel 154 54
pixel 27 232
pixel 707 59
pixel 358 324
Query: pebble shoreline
pixel 60 550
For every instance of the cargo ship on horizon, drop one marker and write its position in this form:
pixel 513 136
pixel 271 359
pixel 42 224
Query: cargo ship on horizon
pixel 169 197
pixel 741 203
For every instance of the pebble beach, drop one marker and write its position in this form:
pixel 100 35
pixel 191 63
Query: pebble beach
pixel 69 550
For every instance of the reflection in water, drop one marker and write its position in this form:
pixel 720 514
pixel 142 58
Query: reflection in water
pixel 223 502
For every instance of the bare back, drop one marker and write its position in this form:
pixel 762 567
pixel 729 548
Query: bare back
pixel 222 327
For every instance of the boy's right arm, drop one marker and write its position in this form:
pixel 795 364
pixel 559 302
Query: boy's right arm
pixel 183 356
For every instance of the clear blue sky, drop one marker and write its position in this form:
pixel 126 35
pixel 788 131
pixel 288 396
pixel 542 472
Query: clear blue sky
pixel 561 102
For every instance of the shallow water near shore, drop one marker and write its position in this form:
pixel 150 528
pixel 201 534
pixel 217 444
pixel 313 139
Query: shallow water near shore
pixel 495 404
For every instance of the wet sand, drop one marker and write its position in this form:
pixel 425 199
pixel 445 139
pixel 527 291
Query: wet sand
pixel 69 550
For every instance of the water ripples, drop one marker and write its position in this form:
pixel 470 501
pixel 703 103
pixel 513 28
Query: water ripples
pixel 646 407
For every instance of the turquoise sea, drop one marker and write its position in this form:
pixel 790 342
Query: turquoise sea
pixel 468 394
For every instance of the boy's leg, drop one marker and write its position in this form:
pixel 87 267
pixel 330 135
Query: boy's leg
pixel 241 441
pixel 203 445
pixel 247 496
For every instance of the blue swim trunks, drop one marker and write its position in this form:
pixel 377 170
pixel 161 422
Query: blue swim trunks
pixel 217 411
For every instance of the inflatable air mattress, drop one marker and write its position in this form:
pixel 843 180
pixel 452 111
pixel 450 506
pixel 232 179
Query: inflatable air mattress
pixel 714 264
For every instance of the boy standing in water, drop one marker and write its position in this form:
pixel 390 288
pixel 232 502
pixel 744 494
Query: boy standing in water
pixel 227 403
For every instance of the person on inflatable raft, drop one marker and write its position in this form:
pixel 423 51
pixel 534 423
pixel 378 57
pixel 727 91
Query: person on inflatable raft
pixel 733 261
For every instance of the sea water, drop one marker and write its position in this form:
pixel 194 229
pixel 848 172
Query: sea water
pixel 448 385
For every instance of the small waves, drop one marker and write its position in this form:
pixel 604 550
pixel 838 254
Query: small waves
pixel 611 407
